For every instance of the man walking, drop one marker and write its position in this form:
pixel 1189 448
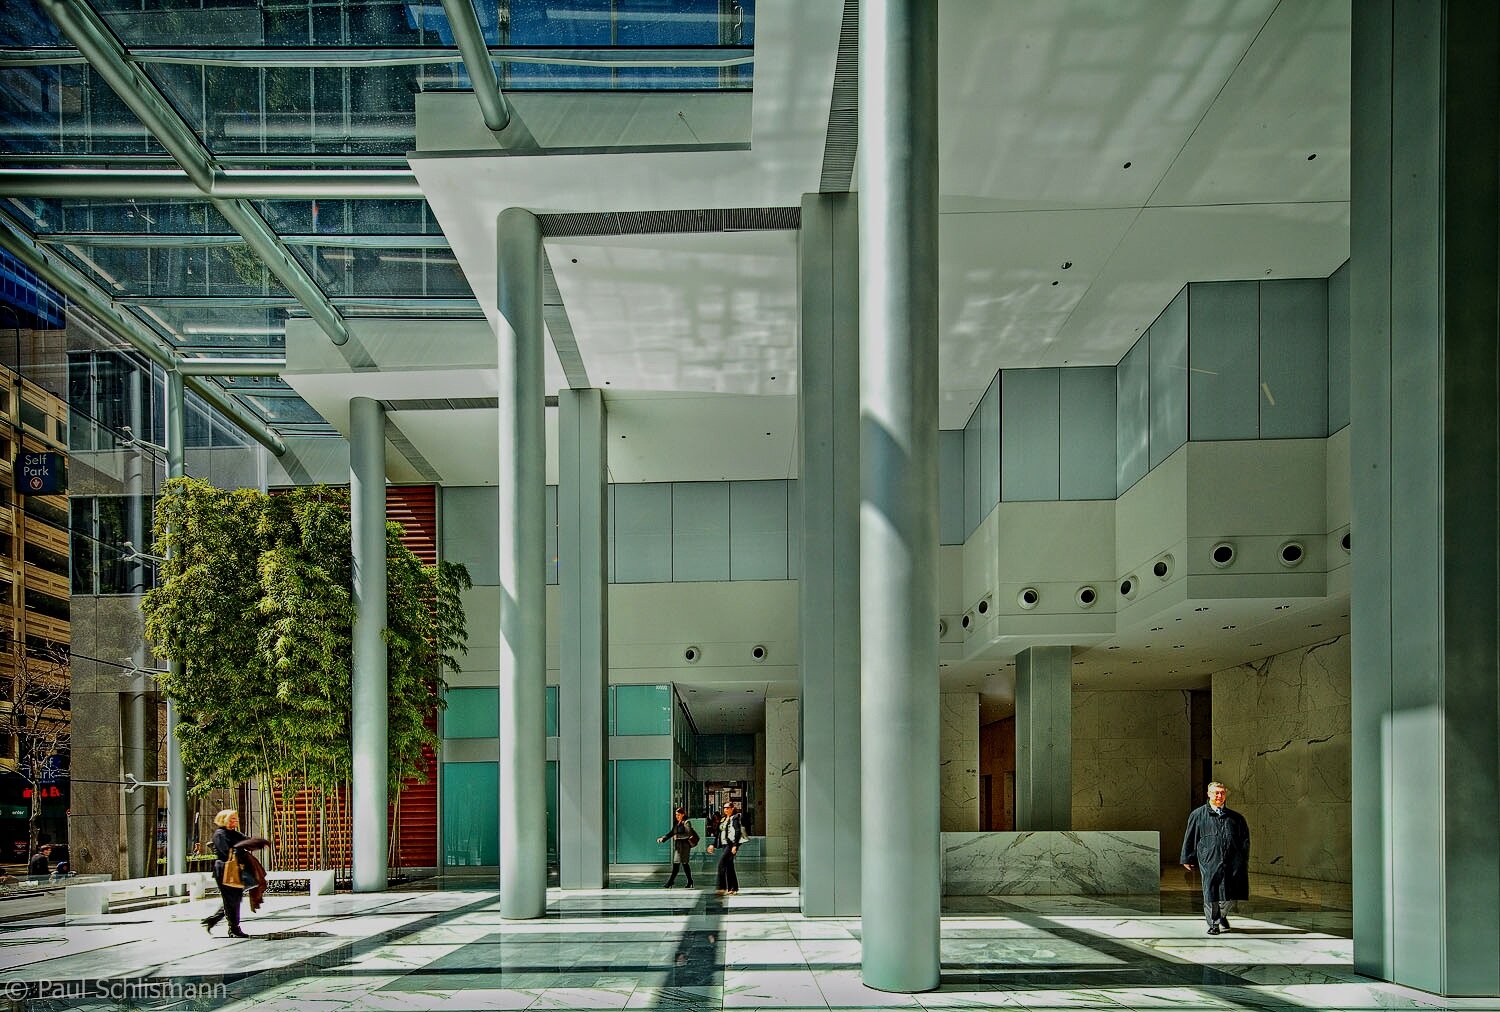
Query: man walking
pixel 1217 843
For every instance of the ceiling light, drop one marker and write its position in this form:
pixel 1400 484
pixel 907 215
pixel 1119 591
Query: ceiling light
pixel 1067 264
pixel 1312 156
pixel 1125 166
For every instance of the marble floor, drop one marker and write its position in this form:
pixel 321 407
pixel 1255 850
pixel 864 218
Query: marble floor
pixel 443 945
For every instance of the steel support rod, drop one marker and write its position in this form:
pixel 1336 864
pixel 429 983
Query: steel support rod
pixel 246 184
pixel 177 809
pixel 370 711
pixel 231 366
pixel 86 30
pixel 523 601
pixel 469 38
pixel 80 290
pixel 900 869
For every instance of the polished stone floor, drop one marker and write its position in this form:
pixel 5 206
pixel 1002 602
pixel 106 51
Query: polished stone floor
pixel 443 945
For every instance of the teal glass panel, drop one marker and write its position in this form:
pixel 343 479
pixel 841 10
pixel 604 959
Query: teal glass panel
pixel 552 731
pixel 643 807
pixel 758 530
pixel 951 486
pixel 471 814
pixel 972 514
pixel 472 713
pixel 642 709
pixel 989 449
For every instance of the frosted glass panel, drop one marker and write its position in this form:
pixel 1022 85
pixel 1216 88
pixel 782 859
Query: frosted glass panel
pixel 472 713
pixel 794 529
pixel 1086 433
pixel 1338 349
pixel 989 449
pixel 700 531
pixel 471 531
pixel 758 530
pixel 471 817
pixel 1132 416
pixel 551 559
pixel 950 487
pixel 1224 356
pixel 552 731
pixel 1293 359
pixel 972 511
pixel 1028 435
pixel 643 533
pixel 1168 340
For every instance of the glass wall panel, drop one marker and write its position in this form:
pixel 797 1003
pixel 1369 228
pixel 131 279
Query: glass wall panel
pixel 643 533
pixel 472 713
pixel 121 215
pixel 642 807
pixel 1168 340
pixel 551 522
pixel 794 529
pixel 552 811
pixel 552 731
pixel 1133 414
pixel 279 22
pixel 700 531
pixel 1086 433
pixel 471 814
pixel 972 496
pixel 1028 434
pixel 989 448
pixel 397 273
pixel 1224 360
pixel 758 530
pixel 233 328
pixel 950 486
pixel 1338 349
pixel 641 710
pixel 67 110
pixel 1293 359
pixel 220 270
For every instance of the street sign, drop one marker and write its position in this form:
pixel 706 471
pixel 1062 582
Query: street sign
pixel 41 473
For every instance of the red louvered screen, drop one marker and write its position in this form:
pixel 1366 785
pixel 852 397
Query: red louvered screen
pixel 414 507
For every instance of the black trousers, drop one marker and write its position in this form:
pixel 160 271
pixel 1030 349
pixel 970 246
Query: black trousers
pixel 727 879
pixel 673 877
pixel 231 898
pixel 1215 911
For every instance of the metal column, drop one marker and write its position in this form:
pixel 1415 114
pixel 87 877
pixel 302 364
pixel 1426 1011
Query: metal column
pixel 523 602
pixel 371 705
pixel 177 807
pixel 583 696
pixel 1424 275
pixel 898 369
pixel 1044 738
pixel 828 588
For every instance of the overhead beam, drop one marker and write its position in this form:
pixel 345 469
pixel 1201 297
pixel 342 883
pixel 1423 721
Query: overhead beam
pixel 365 56
pixel 240 184
pixel 231 366
pixel 80 290
pixel 469 38
pixel 87 31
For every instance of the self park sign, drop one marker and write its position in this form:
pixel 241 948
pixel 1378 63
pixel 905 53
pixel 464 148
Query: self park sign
pixel 41 473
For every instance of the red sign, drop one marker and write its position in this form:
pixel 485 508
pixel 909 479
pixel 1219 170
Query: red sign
pixel 47 792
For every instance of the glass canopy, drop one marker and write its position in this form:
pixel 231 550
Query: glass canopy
pixel 296 85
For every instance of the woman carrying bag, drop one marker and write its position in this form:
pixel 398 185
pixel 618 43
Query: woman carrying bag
pixel 684 838
pixel 235 870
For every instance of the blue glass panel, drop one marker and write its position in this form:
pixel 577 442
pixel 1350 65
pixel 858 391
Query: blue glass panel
pixel 1224 360
pixel 1028 435
pixel 471 814
pixel 1168 339
pixel 25 25
pixel 1294 359
pixel 66 110
pixel 1086 433
pixel 642 710
pixel 278 22
pixel 472 713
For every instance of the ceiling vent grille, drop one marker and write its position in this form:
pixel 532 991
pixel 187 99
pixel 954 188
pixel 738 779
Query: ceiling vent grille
pixel 731 219
pixel 842 142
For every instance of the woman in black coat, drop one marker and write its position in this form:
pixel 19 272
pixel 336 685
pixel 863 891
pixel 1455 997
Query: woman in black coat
pixel 683 836
pixel 228 841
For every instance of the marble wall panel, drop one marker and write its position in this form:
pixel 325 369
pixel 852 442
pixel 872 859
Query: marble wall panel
pixel 1051 864
pixel 783 779
pixel 959 758
pixel 1281 744
pixel 1131 763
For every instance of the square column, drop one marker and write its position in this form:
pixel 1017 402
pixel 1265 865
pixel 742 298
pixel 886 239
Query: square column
pixel 1044 738
pixel 828 587
pixel 1425 710
pixel 583 695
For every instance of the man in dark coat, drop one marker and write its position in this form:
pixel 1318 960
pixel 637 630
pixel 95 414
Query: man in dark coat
pixel 1217 843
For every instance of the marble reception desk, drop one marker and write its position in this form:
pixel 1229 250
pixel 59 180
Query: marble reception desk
pixel 1051 864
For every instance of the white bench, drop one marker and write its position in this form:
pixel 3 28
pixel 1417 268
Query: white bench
pixel 319 884
pixel 93 899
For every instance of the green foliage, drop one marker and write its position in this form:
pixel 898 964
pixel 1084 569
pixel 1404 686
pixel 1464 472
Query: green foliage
pixel 256 601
